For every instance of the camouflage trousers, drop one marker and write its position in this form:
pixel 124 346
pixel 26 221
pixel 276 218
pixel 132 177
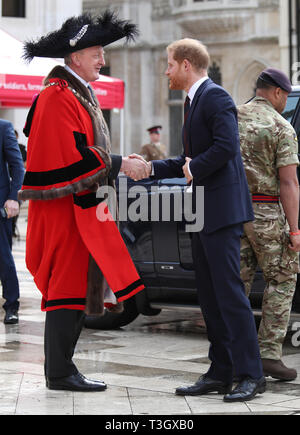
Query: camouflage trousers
pixel 265 244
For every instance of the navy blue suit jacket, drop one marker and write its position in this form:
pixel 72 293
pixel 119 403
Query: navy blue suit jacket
pixel 11 163
pixel 212 133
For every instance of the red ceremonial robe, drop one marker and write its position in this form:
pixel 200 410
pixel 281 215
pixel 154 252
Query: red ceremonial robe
pixel 63 165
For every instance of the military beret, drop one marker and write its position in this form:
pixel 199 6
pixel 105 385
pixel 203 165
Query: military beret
pixel 275 77
pixel 78 33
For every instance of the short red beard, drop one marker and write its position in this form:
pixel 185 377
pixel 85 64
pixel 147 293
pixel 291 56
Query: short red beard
pixel 176 84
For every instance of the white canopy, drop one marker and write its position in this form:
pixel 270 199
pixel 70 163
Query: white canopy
pixel 19 81
pixel 11 51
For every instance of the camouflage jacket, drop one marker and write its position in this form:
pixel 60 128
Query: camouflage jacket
pixel 268 142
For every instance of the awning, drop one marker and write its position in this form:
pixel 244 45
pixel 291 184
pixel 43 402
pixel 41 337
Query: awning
pixel 19 91
pixel 19 82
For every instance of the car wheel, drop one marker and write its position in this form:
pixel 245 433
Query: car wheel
pixel 113 320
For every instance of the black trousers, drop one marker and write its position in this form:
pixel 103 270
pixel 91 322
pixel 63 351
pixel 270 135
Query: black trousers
pixel 226 309
pixel 8 273
pixel 62 330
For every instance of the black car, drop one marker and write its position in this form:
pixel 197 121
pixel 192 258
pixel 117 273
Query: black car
pixel 160 246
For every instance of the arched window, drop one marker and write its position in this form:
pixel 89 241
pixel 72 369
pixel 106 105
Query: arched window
pixel 214 73
pixel 245 82
pixel 14 8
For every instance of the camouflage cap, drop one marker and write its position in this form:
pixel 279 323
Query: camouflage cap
pixel 275 77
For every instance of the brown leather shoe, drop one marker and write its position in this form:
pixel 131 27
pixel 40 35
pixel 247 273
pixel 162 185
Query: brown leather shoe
pixel 277 370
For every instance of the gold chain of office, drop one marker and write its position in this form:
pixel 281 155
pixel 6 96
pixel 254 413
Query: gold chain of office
pixel 63 84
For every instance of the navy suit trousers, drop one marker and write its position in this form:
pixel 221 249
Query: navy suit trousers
pixel 8 273
pixel 227 313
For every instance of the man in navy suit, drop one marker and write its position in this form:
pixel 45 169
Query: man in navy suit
pixel 212 159
pixel 11 178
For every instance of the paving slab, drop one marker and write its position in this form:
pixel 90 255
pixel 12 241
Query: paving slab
pixel 142 364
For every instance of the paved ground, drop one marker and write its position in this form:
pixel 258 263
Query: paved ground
pixel 142 364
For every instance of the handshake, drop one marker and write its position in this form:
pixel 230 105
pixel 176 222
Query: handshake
pixel 135 167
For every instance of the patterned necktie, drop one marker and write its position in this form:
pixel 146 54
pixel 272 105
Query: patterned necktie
pixel 91 92
pixel 185 139
pixel 186 107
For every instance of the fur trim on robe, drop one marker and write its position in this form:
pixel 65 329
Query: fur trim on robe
pixel 95 286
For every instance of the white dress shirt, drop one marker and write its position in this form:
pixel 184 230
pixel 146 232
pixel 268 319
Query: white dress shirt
pixel 76 75
pixel 81 80
pixel 195 87
pixel 191 95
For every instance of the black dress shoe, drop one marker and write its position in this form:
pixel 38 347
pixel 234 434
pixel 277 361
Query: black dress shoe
pixel 204 385
pixel 11 317
pixel 246 390
pixel 75 383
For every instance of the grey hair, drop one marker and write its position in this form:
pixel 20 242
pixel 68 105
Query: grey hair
pixel 68 59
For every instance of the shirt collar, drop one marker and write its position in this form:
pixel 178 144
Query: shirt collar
pixel 76 75
pixel 195 87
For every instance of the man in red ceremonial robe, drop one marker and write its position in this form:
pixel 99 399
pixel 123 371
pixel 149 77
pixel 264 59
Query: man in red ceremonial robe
pixel 72 256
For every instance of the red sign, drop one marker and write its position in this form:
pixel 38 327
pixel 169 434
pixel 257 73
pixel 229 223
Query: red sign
pixel 110 93
pixel 19 91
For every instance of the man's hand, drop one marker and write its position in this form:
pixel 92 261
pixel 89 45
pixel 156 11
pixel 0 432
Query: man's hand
pixel 289 198
pixel 135 167
pixel 186 171
pixel 12 208
pixel 295 243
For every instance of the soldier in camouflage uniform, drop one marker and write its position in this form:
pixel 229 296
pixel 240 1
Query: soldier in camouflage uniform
pixel 154 150
pixel 269 150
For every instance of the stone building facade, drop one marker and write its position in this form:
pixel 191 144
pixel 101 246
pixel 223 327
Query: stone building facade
pixel 243 37
pixel 27 19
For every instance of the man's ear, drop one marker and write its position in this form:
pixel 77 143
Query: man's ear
pixel 277 92
pixel 75 58
pixel 186 64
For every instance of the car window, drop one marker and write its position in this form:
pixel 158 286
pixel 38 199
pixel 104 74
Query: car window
pixel 177 181
pixel 290 106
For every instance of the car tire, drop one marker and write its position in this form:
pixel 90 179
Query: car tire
pixel 113 320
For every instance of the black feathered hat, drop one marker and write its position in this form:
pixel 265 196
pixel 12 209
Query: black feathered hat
pixel 81 32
